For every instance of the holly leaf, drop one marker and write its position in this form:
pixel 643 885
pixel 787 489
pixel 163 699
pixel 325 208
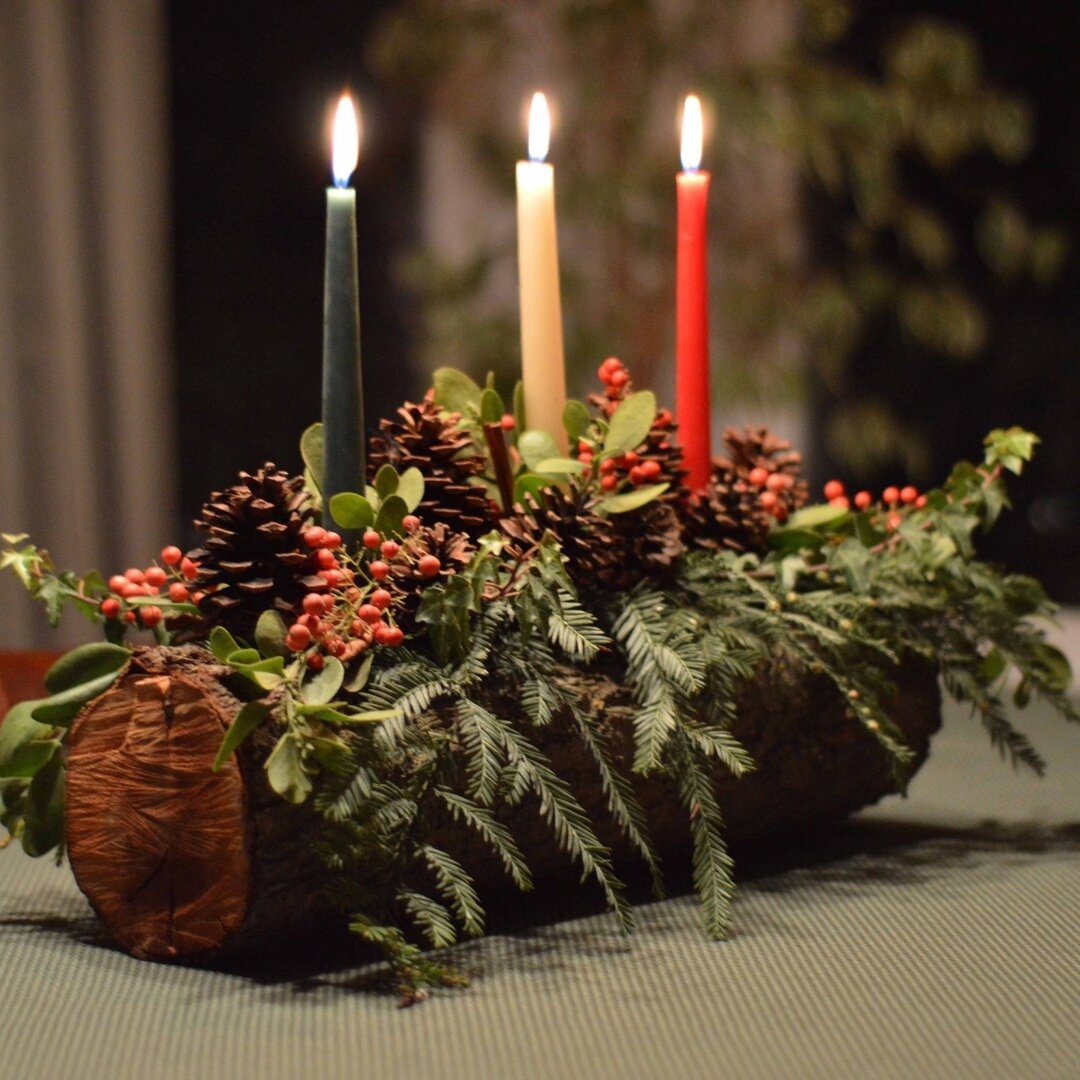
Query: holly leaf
pixel 630 423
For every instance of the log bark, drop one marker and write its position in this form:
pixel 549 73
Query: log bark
pixel 185 864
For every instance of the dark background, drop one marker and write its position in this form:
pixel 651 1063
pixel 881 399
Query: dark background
pixel 252 86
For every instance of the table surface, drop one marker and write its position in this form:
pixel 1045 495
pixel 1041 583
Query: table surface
pixel 937 936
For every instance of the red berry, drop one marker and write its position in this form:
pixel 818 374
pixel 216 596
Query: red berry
pixel 298 638
pixel 863 499
pixel 369 613
pixel 313 604
pixel 630 459
pixel 118 583
pixel 198 598
pixel 110 607
pixel 335 646
pixel 189 568
pixel 650 469
pixel 759 476
pixel 410 523
pixel 609 367
pixel 325 560
pixel 778 482
pixel 893 520
pixel 637 476
pixel 909 494
pixel 428 565
pixel 129 616
pixel 371 539
pixel 768 499
pixel 607 465
pixel 150 616
pixel 171 555
pixel 312 622
pixel 609 482
pixel 331 577
pixel 841 502
pixel 507 423
pixel 390 548
pixel 584 446
pixel 135 576
pixel 891 495
pixel 328 603
pixel 178 592
pixel 130 590
pixel 395 637
pixel 619 379
pixel 585 457
pixel 920 502
pixel 315 536
pixel 379 570
pixel 332 541
pixel 156 576
pixel 381 599
pixel 612 394
pixel 315 661
pixel 833 490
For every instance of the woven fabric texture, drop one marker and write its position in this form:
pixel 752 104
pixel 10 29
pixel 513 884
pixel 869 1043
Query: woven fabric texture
pixel 937 936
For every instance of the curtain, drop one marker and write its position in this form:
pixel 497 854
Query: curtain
pixel 86 434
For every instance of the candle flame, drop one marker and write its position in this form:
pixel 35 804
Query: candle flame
pixel 346 141
pixel 539 128
pixel 691 134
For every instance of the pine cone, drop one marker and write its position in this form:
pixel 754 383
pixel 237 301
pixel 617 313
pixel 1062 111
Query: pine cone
pixel 424 436
pixel 452 549
pixel 254 557
pixel 729 512
pixel 587 539
pixel 649 539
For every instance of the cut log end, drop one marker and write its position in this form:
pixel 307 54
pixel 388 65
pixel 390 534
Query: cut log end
pixel 157 840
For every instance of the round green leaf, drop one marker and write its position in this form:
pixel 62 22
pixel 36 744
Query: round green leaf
pixel 559 466
pixel 322 687
pixel 536 446
pixel 311 450
pixel 576 420
pixel 491 407
pixel 411 487
pixel 391 513
pixel 386 481
pixel 630 423
pixel 351 511
pixel 454 390
pixel 270 633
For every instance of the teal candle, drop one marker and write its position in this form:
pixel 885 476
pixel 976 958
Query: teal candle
pixel 342 387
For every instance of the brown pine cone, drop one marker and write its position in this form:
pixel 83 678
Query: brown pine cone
pixel 423 436
pixel 729 513
pixel 406 581
pixel 254 557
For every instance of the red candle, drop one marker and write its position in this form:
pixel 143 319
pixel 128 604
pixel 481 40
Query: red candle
pixel 692 305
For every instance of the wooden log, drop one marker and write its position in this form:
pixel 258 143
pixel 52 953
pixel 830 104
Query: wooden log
pixel 184 864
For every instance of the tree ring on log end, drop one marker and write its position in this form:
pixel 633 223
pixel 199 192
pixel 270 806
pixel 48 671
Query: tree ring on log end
pixel 156 839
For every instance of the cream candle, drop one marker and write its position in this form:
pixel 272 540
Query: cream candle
pixel 543 371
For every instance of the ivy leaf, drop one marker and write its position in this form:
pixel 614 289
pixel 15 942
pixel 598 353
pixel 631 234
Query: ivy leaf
pixel 630 423
pixel 390 516
pixel 536 446
pixel 411 487
pixel 270 633
pixel 352 511
pixel 322 686
pixel 631 500
pixel 491 407
pixel 576 420
pixel 84 664
pixel 311 450
pixel 245 722
pixel 43 810
pixel 454 390
pixel 445 610
pixel 285 770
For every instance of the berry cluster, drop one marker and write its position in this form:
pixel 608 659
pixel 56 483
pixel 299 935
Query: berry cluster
pixel 172 581
pixel 892 499
pixel 350 609
pixel 771 487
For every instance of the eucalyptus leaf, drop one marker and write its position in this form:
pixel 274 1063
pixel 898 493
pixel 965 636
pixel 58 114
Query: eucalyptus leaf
pixel 630 423
pixel 386 481
pixel 536 446
pixel 576 420
pixel 631 500
pixel 245 722
pixel 411 487
pixel 454 390
pixel 331 715
pixel 491 407
pixel 270 633
pixel 311 450
pixel 322 686
pixel 222 643
pixel 43 810
pixel 60 709
pixel 84 664
pixel 285 770
pixel 560 466
pixel 352 511
pixel 390 516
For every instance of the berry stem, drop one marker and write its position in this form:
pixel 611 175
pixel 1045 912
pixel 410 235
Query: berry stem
pixel 500 460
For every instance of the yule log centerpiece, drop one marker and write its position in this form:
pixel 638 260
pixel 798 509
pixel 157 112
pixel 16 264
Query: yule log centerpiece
pixel 523 666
